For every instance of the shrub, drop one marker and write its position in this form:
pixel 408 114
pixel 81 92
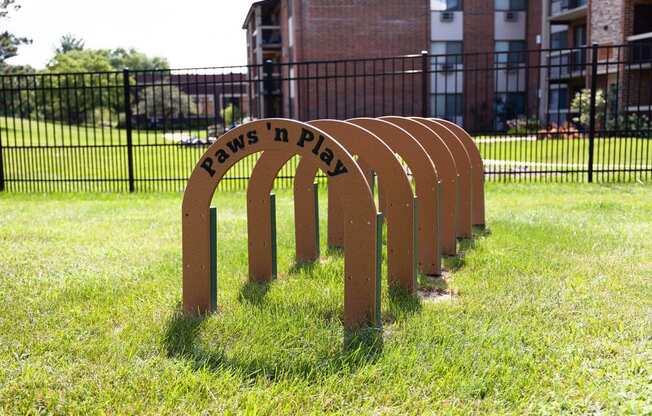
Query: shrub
pixel 523 125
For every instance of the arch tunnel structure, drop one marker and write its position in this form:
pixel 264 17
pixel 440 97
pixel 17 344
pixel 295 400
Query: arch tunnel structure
pixel 410 158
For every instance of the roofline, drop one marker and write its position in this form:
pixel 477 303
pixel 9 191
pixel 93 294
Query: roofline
pixel 251 9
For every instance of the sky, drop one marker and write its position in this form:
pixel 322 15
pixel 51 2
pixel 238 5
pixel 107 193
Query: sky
pixel 190 33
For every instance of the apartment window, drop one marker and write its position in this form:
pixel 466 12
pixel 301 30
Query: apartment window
pixel 642 19
pixel 579 36
pixel 559 40
pixel 558 99
pixel 510 51
pixel 447 52
pixel 510 105
pixel 510 5
pixel 447 106
pixel 446 5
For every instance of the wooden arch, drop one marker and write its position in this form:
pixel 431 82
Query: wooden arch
pixel 463 227
pixel 361 300
pixel 427 189
pixel 446 168
pixel 399 212
pixel 478 213
pixel 380 158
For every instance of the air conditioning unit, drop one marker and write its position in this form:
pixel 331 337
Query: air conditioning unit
pixel 446 17
pixel 511 16
pixel 448 67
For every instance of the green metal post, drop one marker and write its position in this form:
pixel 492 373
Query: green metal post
pixel 213 248
pixel 272 207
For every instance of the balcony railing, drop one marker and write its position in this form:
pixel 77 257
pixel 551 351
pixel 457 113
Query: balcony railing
pixel 562 6
pixel 640 49
pixel 271 37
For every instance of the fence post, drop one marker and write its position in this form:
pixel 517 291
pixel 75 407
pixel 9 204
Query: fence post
pixel 424 83
pixel 267 85
pixel 128 126
pixel 2 167
pixel 592 109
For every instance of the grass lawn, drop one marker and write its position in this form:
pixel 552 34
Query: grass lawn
pixel 93 155
pixel 553 314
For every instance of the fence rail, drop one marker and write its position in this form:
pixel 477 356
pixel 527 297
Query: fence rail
pixel 572 114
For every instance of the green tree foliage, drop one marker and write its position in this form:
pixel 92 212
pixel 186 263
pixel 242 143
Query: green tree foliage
pixel 87 60
pixel 94 68
pixel 9 42
pixel 168 102
pixel 122 58
pixel 230 114
pixel 606 113
pixel 69 43
pixel 73 101
pixel 581 105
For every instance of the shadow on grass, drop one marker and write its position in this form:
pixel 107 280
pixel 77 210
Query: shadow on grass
pixel 401 304
pixel 359 348
pixel 254 293
pixel 334 251
pixel 303 267
pixel 465 245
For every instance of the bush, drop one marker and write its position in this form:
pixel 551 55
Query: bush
pixel 103 117
pixel 523 125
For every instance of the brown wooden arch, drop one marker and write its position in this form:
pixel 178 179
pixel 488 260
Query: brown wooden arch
pixel 445 163
pixel 464 226
pixel 361 300
pixel 427 188
pixel 478 214
pixel 378 157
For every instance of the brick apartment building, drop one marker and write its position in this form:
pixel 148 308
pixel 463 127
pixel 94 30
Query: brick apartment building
pixel 477 89
pixel 577 23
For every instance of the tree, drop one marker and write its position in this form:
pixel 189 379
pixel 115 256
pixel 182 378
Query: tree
pixel 87 84
pixel 121 58
pixel 164 103
pixel 230 114
pixel 581 104
pixel 88 60
pixel 9 42
pixel 70 43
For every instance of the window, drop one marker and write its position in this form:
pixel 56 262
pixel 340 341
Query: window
pixel 510 5
pixel 579 36
pixel 447 52
pixel 559 40
pixel 510 52
pixel 445 5
pixel 447 106
pixel 642 19
pixel 558 99
pixel 579 58
pixel 509 106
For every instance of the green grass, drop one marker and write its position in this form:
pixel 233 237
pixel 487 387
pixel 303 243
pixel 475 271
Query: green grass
pixel 609 151
pixel 553 314
pixel 172 164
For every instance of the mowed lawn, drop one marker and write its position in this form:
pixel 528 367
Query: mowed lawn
pixel 61 157
pixel 552 313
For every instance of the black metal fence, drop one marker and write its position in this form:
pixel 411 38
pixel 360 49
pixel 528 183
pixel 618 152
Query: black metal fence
pixel 572 114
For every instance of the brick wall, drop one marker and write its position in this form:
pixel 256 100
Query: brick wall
pixel 606 22
pixel 346 29
pixel 479 81
pixel 533 30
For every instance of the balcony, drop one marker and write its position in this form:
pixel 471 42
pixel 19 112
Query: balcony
pixel 640 51
pixel 271 37
pixel 565 11
pixel 567 64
